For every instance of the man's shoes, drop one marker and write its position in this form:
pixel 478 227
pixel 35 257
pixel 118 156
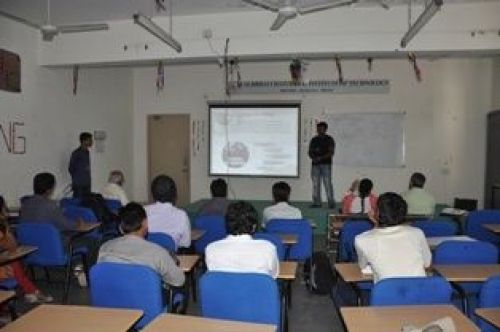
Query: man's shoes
pixel 315 206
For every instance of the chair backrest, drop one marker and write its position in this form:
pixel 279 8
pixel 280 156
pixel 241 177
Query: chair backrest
pixel 475 221
pixel 489 298
pixel 163 240
pixel 117 285
pixel 274 239
pixel 69 201
pixel 47 238
pixel 411 291
pixel 465 252
pixel 436 227
pixel 303 249
pixel 215 229
pixel 248 297
pixel 349 231
pixel 113 205
pixel 73 212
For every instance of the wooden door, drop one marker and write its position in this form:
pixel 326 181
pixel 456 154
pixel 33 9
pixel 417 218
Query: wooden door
pixel 492 161
pixel 169 151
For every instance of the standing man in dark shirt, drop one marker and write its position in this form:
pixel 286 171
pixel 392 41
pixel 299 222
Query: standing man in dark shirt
pixel 79 167
pixel 321 150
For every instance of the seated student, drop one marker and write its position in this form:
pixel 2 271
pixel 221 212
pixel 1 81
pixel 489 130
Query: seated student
pixel 419 201
pixel 281 209
pixel 359 198
pixel 239 252
pixel 393 249
pixel 164 217
pixel 217 206
pixel 41 208
pixel 132 248
pixel 114 188
pixel 15 269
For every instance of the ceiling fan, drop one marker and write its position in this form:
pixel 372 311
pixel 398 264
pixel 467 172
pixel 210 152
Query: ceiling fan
pixel 290 9
pixel 49 31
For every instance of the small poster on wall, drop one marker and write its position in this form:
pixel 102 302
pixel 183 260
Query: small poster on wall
pixel 10 71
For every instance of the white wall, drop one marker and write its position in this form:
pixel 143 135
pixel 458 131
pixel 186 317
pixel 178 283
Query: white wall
pixel 445 121
pixel 53 117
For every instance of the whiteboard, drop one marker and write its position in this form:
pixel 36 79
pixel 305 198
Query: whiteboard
pixel 368 139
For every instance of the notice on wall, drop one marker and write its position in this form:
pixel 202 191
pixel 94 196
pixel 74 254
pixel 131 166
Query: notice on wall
pixel 10 71
pixel 11 137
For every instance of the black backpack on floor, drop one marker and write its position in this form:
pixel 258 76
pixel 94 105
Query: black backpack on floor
pixel 319 274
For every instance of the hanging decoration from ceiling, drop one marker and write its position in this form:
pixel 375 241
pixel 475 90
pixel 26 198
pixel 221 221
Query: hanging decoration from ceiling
pixel 160 5
pixel 412 57
pixel 76 69
pixel 370 64
pixel 296 70
pixel 339 69
pixel 160 77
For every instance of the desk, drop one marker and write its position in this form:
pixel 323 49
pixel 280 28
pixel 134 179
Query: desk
pixel 495 228
pixel 467 272
pixel 391 319
pixel 187 263
pixel 179 323
pixel 289 239
pixel 196 234
pixel 20 252
pixel 287 274
pixel 351 273
pixel 64 318
pixel 491 315
pixel 437 240
pixel 288 270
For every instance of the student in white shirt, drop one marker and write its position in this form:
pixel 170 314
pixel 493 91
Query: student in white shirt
pixel 281 209
pixel 164 217
pixel 239 252
pixel 393 249
pixel 114 188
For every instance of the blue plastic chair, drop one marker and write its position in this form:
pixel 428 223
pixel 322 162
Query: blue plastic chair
pixel 351 228
pixel 466 252
pixel 248 297
pixel 51 252
pixel 475 221
pixel 74 212
pixel 303 249
pixel 275 240
pixel 163 240
pixel 69 201
pixel 115 285
pixel 436 227
pixel 113 205
pixel 411 291
pixel 489 298
pixel 215 229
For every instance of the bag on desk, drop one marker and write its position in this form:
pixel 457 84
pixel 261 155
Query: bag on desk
pixel 319 274
pixel 444 324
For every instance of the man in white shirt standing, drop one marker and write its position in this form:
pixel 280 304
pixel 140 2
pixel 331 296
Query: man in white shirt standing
pixel 281 209
pixel 239 252
pixel 393 249
pixel 114 188
pixel 164 217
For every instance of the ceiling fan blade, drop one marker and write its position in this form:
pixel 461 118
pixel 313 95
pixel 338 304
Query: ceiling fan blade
pixel 278 22
pixel 266 4
pixel 325 6
pixel 73 28
pixel 19 19
pixel 383 4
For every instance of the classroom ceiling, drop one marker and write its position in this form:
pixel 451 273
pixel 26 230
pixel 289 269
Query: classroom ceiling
pixel 77 11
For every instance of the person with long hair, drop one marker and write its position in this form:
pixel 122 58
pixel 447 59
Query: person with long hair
pixel 360 198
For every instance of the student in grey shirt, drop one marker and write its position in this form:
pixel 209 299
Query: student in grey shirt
pixel 133 248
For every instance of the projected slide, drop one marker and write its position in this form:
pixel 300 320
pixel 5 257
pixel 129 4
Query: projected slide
pixel 254 140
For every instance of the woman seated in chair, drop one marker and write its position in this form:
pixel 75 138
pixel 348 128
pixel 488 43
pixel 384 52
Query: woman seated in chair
pixel 15 269
pixel 392 249
pixel 360 198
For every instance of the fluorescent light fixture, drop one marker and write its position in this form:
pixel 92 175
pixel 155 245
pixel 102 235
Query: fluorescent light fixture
pixel 157 31
pixel 422 20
